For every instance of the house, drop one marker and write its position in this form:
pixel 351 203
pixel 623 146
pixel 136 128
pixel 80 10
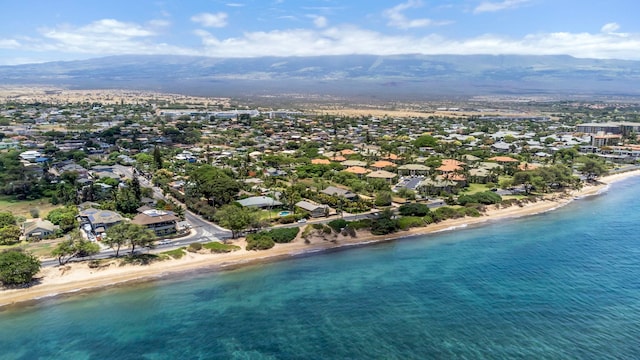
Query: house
pixel 383 174
pixel 99 220
pixel 334 191
pixel 38 228
pixel 261 202
pixel 159 221
pixel 314 210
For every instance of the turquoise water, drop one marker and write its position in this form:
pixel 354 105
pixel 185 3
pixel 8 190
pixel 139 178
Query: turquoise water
pixel 562 285
pixel 284 213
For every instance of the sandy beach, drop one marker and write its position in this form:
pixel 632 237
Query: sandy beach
pixel 77 277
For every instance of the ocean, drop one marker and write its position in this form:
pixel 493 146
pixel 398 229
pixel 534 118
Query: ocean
pixel 559 285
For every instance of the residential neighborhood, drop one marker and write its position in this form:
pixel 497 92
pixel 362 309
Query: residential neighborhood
pixel 290 166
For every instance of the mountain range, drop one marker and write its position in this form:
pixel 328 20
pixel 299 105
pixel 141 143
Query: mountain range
pixel 364 76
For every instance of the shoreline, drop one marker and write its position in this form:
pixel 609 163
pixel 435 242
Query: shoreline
pixel 79 278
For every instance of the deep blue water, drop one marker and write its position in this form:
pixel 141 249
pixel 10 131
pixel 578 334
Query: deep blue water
pixel 561 285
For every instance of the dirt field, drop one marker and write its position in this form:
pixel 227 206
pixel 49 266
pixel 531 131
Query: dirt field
pixel 23 208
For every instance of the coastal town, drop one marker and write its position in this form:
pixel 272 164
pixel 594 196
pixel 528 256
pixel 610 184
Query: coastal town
pixel 89 178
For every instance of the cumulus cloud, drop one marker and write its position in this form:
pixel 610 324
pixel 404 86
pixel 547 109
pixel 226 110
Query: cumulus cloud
pixel 489 6
pixel 610 28
pixel 217 20
pixel 102 37
pixel 319 21
pixel 398 19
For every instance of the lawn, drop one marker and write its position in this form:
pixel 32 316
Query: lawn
pixel 23 207
pixel 475 188
pixel 41 249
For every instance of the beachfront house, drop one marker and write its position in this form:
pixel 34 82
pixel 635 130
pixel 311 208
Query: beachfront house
pixel 99 220
pixel 314 210
pixel 260 202
pixel 159 221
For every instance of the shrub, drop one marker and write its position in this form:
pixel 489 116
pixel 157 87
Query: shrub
pixel 360 224
pixel 283 235
pixel 317 226
pixel 469 211
pixel 217 247
pixel 338 224
pixel 414 209
pixel 407 222
pixel 194 247
pixel 289 219
pixel 326 229
pixel 446 212
pixel 259 242
pixel 176 253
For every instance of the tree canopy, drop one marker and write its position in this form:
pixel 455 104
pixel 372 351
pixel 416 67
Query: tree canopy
pixel 17 267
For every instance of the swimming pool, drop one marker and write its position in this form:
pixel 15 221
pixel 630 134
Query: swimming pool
pixel 284 213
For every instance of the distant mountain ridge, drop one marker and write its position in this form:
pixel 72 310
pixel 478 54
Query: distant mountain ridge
pixel 399 76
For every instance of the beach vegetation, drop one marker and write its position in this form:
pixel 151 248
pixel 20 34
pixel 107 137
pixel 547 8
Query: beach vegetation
pixel 360 224
pixel 385 223
pixel 175 253
pixel 338 224
pixel 414 209
pixel 484 198
pixel 75 246
pixel 18 267
pixel 407 222
pixel 217 247
pixel 142 259
pixel 194 247
pixel 259 241
pixel 591 167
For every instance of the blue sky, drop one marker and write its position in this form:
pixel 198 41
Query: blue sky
pixel 52 30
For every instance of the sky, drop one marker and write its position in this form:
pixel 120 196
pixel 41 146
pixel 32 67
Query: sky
pixel 58 30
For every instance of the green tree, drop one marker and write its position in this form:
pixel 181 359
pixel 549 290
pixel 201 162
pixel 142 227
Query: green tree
pixel 592 168
pixel 214 184
pixel 235 218
pixel 7 218
pixel 17 267
pixel 75 246
pixel 10 235
pixel 157 158
pixel 65 217
pixel 425 141
pixel 126 200
pixel 383 198
pixel 127 233
pixel 384 224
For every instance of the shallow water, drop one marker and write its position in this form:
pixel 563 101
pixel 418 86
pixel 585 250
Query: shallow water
pixel 561 285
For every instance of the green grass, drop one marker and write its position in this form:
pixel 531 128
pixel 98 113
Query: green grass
pixel 475 188
pixel 23 207
pixel 217 247
pixel 174 254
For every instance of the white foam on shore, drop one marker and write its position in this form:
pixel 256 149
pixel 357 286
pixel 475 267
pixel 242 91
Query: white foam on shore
pixel 451 228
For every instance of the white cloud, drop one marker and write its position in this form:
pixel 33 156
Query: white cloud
pixel 235 5
pixel 9 44
pixel 102 37
pixel 217 20
pixel 398 19
pixel 347 40
pixel 488 6
pixel 319 21
pixel 610 28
